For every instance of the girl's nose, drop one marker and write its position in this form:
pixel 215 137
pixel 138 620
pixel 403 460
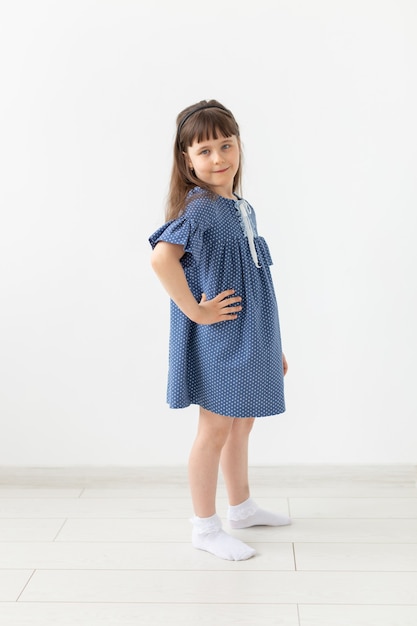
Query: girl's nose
pixel 217 157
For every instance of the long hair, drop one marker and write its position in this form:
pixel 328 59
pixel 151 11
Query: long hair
pixel 205 120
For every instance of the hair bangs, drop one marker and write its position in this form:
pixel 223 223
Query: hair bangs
pixel 208 124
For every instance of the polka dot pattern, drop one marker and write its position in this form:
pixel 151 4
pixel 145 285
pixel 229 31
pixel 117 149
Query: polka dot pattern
pixel 232 368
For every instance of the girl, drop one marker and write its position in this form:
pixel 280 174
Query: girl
pixel 225 347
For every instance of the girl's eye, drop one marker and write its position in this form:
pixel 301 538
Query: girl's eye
pixel 204 152
pixel 226 146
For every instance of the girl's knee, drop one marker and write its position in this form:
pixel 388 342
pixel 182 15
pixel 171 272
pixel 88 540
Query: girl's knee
pixel 243 425
pixel 215 428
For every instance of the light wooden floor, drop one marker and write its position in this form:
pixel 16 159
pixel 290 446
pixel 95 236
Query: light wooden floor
pixel 112 547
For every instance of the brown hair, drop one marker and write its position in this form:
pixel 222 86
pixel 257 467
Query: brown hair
pixel 207 119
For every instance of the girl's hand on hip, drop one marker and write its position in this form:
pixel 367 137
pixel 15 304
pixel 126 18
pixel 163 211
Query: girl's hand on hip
pixel 222 308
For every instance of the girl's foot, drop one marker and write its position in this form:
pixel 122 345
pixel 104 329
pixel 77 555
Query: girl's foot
pixel 208 535
pixel 249 514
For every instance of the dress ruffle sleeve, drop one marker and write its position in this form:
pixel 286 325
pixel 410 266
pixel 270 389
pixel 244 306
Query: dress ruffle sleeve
pixel 263 251
pixel 184 231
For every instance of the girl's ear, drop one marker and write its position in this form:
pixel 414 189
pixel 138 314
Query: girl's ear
pixel 187 160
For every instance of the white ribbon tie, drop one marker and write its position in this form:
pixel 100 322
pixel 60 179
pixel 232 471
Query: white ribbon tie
pixel 244 210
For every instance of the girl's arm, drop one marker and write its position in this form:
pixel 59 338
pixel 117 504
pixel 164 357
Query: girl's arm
pixel 284 364
pixel 165 262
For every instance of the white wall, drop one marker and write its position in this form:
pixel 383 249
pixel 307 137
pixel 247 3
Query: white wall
pixel 325 94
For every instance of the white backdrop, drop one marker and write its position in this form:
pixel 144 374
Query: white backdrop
pixel 325 94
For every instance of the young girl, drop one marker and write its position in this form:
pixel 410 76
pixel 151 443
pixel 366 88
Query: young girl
pixel 225 347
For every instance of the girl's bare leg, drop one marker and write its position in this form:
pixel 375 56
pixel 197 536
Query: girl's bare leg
pixel 234 460
pixel 203 467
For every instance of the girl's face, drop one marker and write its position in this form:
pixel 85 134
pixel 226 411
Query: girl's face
pixel 215 162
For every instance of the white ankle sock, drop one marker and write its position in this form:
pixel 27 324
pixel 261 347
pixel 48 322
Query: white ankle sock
pixel 249 514
pixel 208 535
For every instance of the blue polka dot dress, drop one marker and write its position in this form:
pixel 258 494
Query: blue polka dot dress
pixel 233 368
